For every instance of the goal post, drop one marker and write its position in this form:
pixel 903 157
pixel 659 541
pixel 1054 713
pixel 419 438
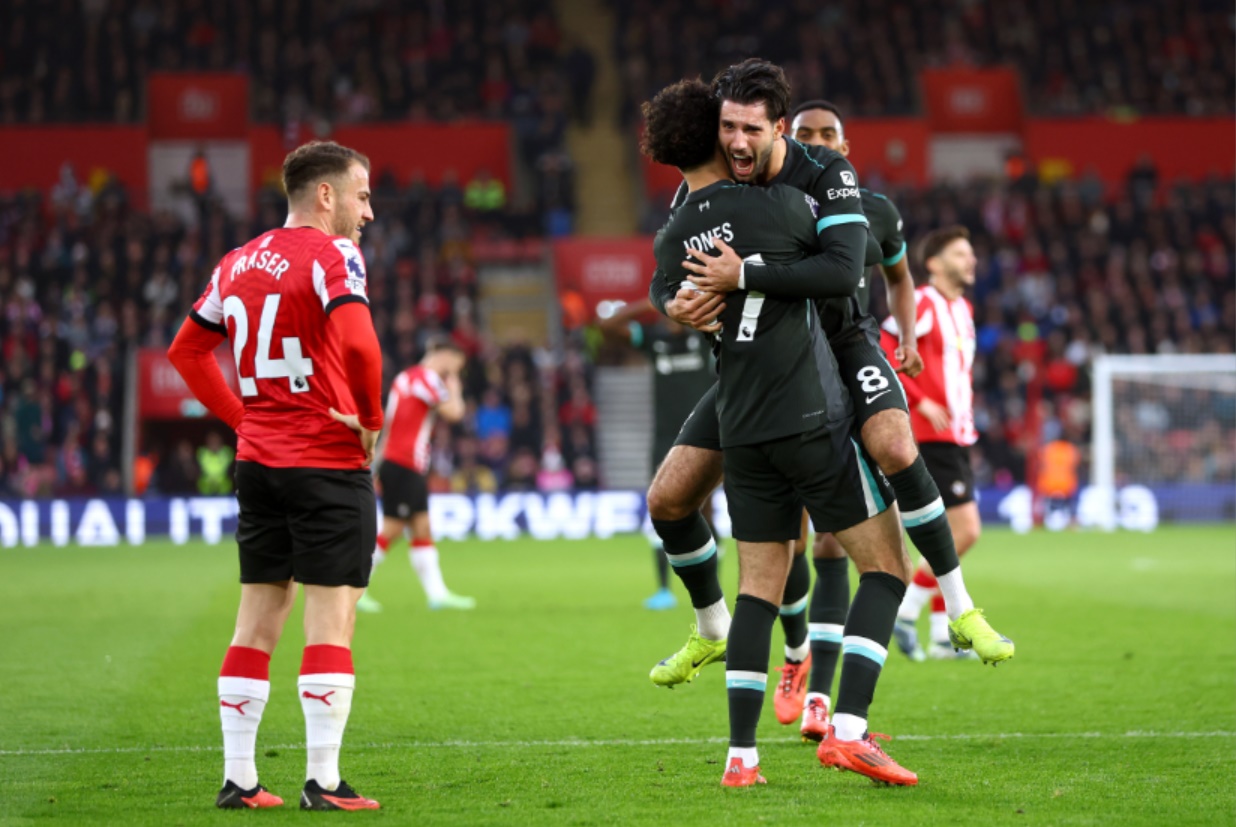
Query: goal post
pixel 1162 420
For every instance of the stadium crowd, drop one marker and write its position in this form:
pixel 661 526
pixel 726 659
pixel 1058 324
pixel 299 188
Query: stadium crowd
pixel 84 278
pixel 88 61
pixel 1065 274
pixel 864 55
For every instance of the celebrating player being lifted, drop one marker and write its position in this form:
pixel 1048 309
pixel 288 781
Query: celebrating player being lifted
pixel 784 421
pixel 754 99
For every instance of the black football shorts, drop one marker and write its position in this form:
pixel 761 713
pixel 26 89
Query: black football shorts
pixel 316 526
pixel 768 484
pixel 870 379
pixel 404 492
pixel 702 429
pixel 949 465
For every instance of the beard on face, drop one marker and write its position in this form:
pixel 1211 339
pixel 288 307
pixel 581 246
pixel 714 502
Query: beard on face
pixel 761 161
pixel 345 225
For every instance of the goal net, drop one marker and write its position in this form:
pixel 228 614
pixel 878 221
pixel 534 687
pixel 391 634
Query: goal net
pixel 1164 441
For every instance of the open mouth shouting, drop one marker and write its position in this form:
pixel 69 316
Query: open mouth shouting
pixel 743 164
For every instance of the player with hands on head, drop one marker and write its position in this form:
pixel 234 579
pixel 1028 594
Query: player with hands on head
pixel 418 397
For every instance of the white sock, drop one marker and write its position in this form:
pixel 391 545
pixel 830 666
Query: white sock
pixel 378 556
pixel 812 696
pixel 956 599
pixel 914 601
pixel 849 727
pixel 241 701
pixel 714 621
pixel 326 700
pixel 939 627
pixel 798 653
pixel 425 562
pixel 750 756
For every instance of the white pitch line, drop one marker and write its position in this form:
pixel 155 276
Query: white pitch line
pixel 616 742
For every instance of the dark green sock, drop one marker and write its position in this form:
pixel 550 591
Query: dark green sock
pixel 867 631
pixel 794 602
pixel 830 602
pixel 922 513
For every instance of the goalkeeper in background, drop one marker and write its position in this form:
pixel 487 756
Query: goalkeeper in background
pixel 682 370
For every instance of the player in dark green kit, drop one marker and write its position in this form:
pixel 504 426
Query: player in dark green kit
pixel 682 371
pixel 754 102
pixel 784 420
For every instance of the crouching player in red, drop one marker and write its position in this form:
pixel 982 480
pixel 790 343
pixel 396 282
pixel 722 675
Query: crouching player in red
pixel 293 304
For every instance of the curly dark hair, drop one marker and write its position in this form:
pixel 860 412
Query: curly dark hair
pixel 755 81
pixel 680 125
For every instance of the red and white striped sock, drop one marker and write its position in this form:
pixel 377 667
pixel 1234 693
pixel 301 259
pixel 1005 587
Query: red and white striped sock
pixel 424 557
pixel 325 688
pixel 939 621
pixel 244 688
pixel 379 550
pixel 920 590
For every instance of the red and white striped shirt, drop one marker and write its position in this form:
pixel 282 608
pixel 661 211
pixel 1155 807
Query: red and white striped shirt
pixel 946 341
pixel 410 416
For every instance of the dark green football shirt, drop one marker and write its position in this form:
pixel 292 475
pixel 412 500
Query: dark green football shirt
pixel 682 370
pixel 884 222
pixel 778 376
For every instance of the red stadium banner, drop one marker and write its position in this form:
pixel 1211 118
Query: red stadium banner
pixel 593 270
pixel 163 395
pixel 972 100
pixel 1190 148
pixel 197 106
pixel 888 149
pixel 34 156
pixel 403 148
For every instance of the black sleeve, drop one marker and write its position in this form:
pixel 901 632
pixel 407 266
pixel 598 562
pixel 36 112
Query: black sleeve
pixel 842 228
pixel 659 292
pixel 834 273
pixel 893 244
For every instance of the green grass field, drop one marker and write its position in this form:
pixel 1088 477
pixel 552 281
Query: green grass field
pixel 536 709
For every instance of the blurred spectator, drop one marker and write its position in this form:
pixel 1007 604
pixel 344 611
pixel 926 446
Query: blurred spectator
pixel 493 416
pixel 585 473
pixel 214 463
pixel 522 473
pixel 484 194
pixel 553 475
pixel 177 473
pixel 469 476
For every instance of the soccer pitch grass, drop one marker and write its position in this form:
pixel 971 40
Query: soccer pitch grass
pixel 536 708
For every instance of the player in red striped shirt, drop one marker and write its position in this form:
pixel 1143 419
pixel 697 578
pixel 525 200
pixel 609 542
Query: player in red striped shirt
pixel 418 397
pixel 942 416
pixel 293 303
